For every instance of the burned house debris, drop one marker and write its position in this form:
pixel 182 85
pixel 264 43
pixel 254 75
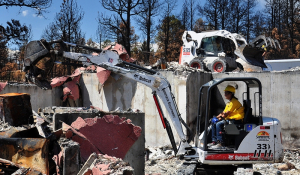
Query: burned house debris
pixel 32 143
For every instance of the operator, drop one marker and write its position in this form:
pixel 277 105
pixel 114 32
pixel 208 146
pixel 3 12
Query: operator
pixel 265 50
pixel 218 44
pixel 233 111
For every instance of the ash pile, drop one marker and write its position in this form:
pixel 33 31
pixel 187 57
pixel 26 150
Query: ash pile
pixel 62 140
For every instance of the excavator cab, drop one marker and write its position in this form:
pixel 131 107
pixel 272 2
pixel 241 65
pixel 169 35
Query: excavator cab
pixel 233 134
pixel 256 139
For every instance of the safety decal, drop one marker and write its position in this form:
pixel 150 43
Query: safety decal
pixel 186 51
pixel 263 136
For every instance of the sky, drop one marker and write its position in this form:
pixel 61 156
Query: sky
pixel 89 25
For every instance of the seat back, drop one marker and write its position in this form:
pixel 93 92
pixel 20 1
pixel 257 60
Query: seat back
pixel 247 111
pixel 231 129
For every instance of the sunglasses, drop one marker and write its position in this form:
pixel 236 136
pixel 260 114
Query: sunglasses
pixel 227 92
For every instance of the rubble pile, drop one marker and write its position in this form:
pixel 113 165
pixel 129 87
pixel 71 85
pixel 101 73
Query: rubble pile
pixel 59 140
pixel 161 161
pixel 293 69
pixel 176 67
pixel 289 166
pixel 184 69
pixel 104 164
pixel 4 126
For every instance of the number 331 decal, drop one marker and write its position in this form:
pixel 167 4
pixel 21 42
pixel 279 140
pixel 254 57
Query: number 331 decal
pixel 263 146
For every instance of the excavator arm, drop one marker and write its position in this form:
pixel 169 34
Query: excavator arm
pixel 110 60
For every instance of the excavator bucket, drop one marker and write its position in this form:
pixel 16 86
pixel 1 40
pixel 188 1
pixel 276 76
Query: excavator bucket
pixel 35 50
pixel 253 56
pixel 252 53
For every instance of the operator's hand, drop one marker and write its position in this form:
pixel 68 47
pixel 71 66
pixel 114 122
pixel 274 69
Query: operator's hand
pixel 219 117
pixel 226 114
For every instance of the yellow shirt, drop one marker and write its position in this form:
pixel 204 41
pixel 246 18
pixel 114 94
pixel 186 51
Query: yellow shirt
pixel 236 110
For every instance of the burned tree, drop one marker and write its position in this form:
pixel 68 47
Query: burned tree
pixel 146 22
pixel 39 5
pixel 199 26
pixel 124 10
pixel 224 13
pixel 101 34
pixel 66 25
pixel 248 20
pixel 164 28
pixel 15 31
pixel 282 17
pixel 68 21
pixel 51 32
pixel 192 13
pixel 185 15
pixel 173 38
pixel 211 11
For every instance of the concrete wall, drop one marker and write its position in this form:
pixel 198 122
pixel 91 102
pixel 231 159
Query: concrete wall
pixel 135 156
pixel 194 82
pixel 280 99
pixel 39 98
pixel 125 93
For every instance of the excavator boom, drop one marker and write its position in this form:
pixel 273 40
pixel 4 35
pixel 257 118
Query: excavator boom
pixel 110 60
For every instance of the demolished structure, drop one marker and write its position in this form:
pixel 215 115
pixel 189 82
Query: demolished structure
pixel 75 130
pixel 58 140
